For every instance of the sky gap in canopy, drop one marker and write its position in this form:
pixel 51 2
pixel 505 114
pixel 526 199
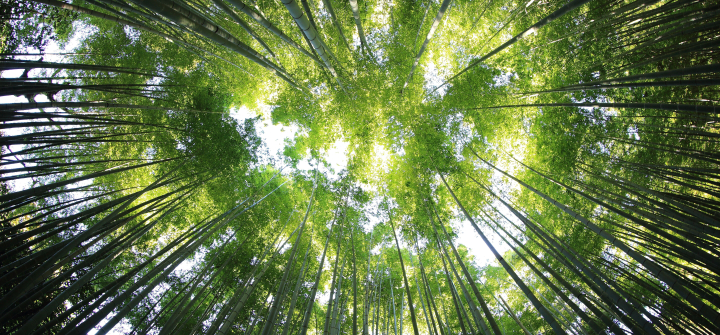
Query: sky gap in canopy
pixel 576 141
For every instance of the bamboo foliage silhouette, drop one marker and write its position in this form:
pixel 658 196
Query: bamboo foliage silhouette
pixel 610 214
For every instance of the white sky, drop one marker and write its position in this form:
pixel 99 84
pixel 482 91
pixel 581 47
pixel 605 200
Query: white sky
pixel 276 136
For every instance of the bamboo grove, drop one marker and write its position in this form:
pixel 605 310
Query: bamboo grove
pixel 575 142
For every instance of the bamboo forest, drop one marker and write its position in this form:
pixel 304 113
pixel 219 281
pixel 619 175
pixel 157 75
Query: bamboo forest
pixel 364 167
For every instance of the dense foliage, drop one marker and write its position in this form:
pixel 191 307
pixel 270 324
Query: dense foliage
pixel 577 142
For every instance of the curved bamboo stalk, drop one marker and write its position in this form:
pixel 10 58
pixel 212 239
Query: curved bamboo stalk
pixel 433 27
pixel 407 285
pixel 468 276
pixel 572 5
pixel 543 311
pixel 309 31
pixel 269 26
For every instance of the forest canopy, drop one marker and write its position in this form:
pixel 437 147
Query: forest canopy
pixel 486 167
